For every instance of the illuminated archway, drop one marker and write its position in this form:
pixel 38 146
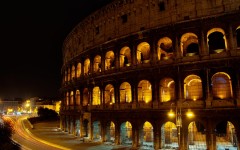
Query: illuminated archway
pixel 216 40
pixel 146 136
pixel 96 131
pixel 69 74
pixel 73 72
pixel 193 87
pixel 221 86
pixel 238 36
pixel 126 133
pixel 77 97
pixel 189 44
pixel 125 93
pixel 169 136
pixel 144 91
pixel 109 95
pixel 226 135
pixel 67 98
pixel 79 67
pixel 96 96
pixel 110 132
pixel 125 57
pixel 87 66
pixel 109 60
pixel 97 64
pixel 167 90
pixel 72 98
pixel 143 53
pixel 196 136
pixel 164 48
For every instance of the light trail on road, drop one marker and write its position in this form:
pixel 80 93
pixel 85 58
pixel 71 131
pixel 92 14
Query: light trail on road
pixel 26 139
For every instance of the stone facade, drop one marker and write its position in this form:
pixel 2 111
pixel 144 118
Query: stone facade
pixel 128 64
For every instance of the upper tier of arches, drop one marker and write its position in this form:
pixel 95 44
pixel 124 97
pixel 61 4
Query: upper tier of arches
pixel 122 18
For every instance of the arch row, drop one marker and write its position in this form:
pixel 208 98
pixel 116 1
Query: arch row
pixel 192 46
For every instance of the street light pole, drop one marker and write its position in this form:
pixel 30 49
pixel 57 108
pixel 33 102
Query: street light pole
pixel 178 115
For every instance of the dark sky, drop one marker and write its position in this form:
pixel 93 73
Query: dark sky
pixel 32 34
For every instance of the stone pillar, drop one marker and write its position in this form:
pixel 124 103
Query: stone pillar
pixel 203 45
pixel 135 137
pixel 209 97
pixel 117 133
pixel 117 95
pixel 210 135
pixel 180 86
pixel 135 95
pixel 103 132
pixel 157 135
pixel 154 52
pixel 238 138
pixel 134 55
pixel 177 48
pixel 155 92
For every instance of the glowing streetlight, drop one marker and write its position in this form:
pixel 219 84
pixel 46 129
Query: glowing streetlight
pixel 178 115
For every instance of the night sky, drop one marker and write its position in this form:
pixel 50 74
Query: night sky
pixel 32 34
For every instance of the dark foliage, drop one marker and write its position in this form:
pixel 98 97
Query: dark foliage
pixel 44 114
pixel 6 131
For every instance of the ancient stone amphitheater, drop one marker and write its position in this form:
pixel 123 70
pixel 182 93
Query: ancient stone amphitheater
pixel 155 74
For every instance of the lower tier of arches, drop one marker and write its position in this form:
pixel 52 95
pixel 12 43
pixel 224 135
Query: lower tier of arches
pixel 208 129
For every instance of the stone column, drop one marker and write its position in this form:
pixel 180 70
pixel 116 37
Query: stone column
pixel 135 137
pixel 209 97
pixel 203 45
pixel 134 95
pixel 117 133
pixel 157 135
pixel 155 92
pixel 238 89
pixel 103 131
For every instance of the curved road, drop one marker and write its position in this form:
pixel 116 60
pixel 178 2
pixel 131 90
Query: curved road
pixel 27 140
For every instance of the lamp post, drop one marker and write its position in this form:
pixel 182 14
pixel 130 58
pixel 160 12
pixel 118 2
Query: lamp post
pixel 178 115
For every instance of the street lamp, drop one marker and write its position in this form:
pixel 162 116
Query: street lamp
pixel 178 115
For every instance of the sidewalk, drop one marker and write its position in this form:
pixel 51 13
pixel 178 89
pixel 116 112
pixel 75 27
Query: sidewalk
pixel 50 132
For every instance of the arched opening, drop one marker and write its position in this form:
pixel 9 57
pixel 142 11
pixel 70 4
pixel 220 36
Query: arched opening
pixel 143 53
pixel 69 74
pixel 97 64
pixel 189 44
pixel 221 86
pixel 79 67
pixel 196 136
pixel 65 77
pixel 125 57
pixel 125 93
pixel 167 90
pixel 144 91
pixel 216 41
pixel 238 36
pixel 67 99
pixel 126 133
pixel 226 136
pixel 72 98
pixel 73 72
pixel 110 132
pixel 164 48
pixel 109 95
pixel 85 97
pixel 77 97
pixel 87 66
pixel 192 87
pixel 169 136
pixel 96 98
pixel 146 136
pixel 109 60
pixel 77 129
pixel 96 131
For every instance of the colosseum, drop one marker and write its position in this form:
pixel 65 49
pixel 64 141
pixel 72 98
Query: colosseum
pixel 155 74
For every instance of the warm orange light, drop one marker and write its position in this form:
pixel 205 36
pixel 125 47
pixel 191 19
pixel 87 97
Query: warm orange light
pixel 190 114
pixel 171 114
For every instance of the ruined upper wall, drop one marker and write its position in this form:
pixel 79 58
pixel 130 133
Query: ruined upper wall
pixel 123 17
